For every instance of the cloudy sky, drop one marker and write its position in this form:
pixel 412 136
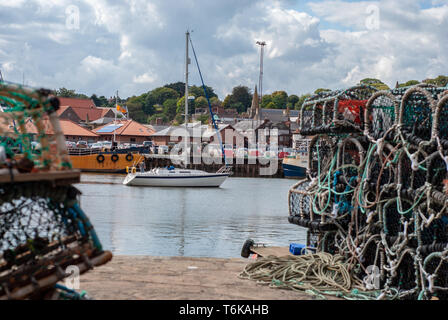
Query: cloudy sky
pixel 99 46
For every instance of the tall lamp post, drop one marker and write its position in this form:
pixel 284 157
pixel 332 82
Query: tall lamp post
pixel 260 80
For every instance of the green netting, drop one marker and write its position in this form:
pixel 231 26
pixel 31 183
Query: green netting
pixel 27 128
pixel 379 197
pixel 42 227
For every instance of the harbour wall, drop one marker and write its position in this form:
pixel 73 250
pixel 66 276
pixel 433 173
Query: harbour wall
pixel 241 167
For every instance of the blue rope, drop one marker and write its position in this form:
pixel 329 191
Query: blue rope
pixel 209 105
pixel 84 225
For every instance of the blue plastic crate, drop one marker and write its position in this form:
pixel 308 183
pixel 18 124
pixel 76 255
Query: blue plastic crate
pixel 298 249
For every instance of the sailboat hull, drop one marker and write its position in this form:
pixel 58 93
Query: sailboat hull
pixel 211 180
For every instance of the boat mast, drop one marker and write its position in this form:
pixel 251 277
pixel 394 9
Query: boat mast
pixel 187 61
pixel 116 109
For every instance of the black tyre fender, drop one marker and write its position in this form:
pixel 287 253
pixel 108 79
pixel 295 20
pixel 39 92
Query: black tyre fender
pixel 245 251
pixel 129 157
pixel 114 158
pixel 100 158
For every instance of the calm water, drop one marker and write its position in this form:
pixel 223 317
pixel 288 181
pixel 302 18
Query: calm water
pixel 195 222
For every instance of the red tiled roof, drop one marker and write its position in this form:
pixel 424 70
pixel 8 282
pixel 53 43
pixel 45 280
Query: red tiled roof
pixel 77 103
pixel 128 128
pixel 83 113
pixel 105 111
pixel 82 107
pixel 69 128
pixel 62 109
pixel 72 129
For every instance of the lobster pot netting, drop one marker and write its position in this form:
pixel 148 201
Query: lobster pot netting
pixel 417 116
pixel 30 132
pixel 318 116
pixel 382 116
pixel 443 121
pixel 29 213
pixel 381 200
pixel 320 156
pixel 42 227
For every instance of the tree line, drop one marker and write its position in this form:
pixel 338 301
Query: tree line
pixel 167 102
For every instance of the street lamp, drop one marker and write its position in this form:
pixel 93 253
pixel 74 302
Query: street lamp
pixel 260 80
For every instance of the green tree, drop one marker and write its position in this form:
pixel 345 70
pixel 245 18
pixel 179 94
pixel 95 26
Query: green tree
pixel 161 94
pixel 179 87
pixel 321 90
pixel 200 102
pixel 241 94
pixel 199 91
pixel 203 118
pixel 271 105
pixel 66 93
pixel 155 116
pixel 179 119
pixel 440 81
pixel 267 99
pixel 280 98
pixel 292 100
pixel 240 108
pixel 240 99
pixel 408 83
pixel 375 83
pixel 227 101
pixel 181 106
pixel 170 108
pixel 214 101
pixel 135 109
pixel 100 101
pixel 302 99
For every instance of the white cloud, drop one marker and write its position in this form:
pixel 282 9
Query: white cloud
pixel 144 78
pixel 135 45
pixel 12 3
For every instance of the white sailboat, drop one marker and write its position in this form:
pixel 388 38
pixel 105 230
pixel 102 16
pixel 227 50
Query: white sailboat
pixel 175 177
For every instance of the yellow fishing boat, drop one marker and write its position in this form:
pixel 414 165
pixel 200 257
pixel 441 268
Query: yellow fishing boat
pixel 111 162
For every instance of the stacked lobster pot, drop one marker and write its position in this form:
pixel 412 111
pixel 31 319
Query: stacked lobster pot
pixel 376 188
pixel 45 237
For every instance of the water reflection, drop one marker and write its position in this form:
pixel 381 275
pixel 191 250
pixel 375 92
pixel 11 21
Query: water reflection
pixel 198 222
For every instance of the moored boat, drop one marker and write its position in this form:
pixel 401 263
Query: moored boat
pixel 176 177
pixel 295 167
pixel 173 177
pixel 107 162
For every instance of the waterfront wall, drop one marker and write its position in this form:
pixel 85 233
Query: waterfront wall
pixel 241 167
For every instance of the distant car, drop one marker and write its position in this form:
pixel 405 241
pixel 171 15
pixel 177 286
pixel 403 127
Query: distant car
pixel 96 146
pixel 82 144
pixel 213 150
pixel 177 149
pixel 282 154
pixel 163 149
pixel 241 153
pixel 70 144
pixel 106 144
pixel 147 144
pixel 228 150
pixel 270 154
pixel 254 152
